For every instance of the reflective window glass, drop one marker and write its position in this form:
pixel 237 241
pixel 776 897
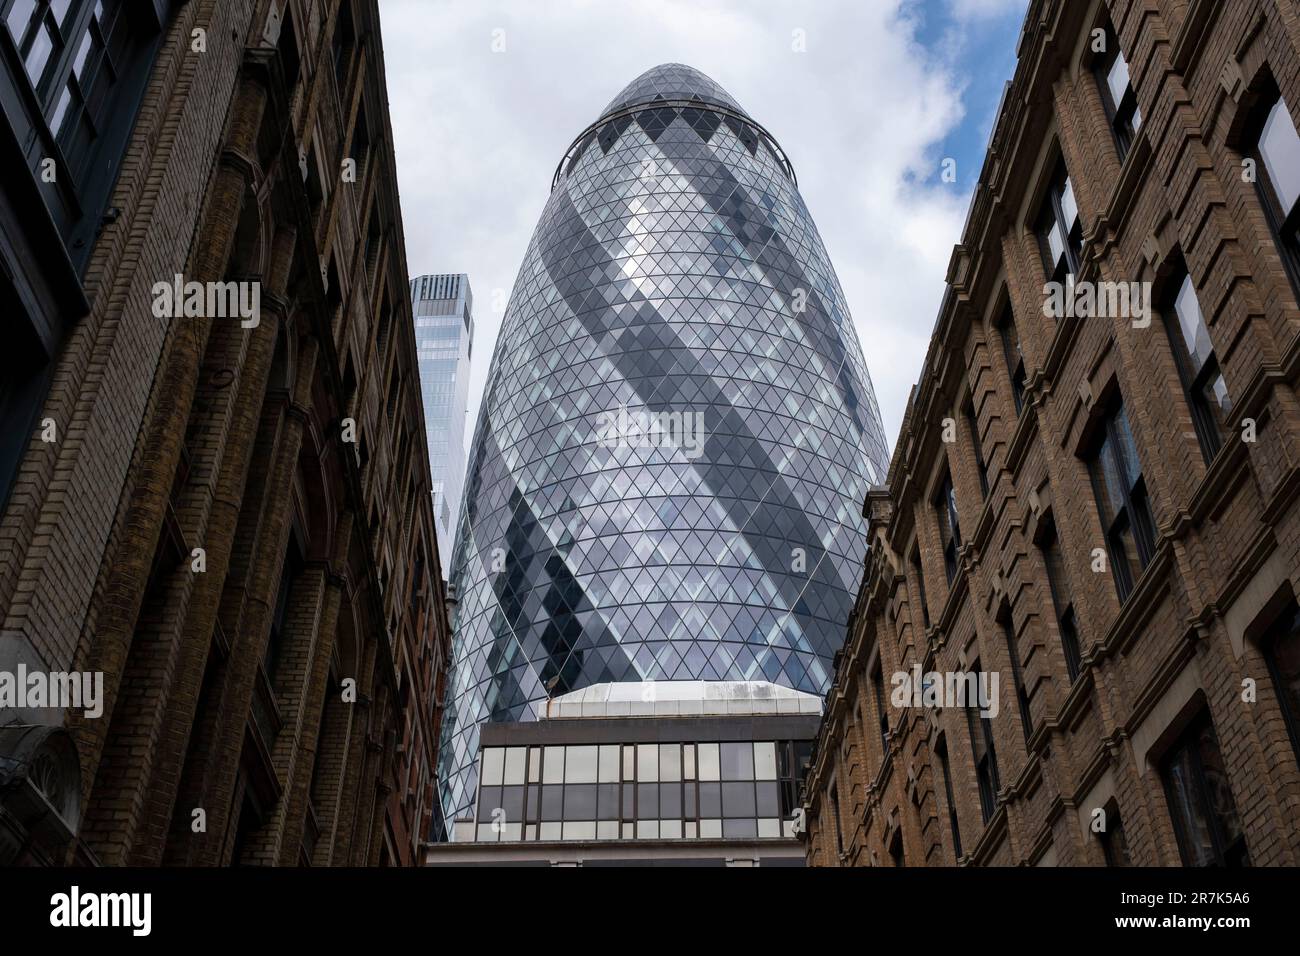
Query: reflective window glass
pixel 647 762
pixel 670 762
pixel 737 761
pixel 740 829
pixel 606 830
pixel 670 800
pixel 608 763
pixel 580 801
pixel 647 801
pixel 552 765
pixel 552 802
pixel 579 830
pixel 738 800
pixel 516 758
pixel 493 764
pixel 607 801
pixel 710 799
pixel 1279 144
pixel 580 764
pixel 512 803
pixel 489 801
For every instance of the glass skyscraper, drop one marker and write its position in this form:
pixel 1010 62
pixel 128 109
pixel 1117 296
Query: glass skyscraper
pixel 677 433
pixel 443 306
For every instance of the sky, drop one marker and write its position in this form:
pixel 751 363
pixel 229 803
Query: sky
pixel 867 98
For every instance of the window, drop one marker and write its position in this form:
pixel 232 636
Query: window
pixel 984 751
pixel 361 143
pixel 1117 93
pixel 1022 696
pixel 1122 501
pixel 86 64
pixel 878 689
pixel 920 585
pixel 39 31
pixel 345 41
pixel 280 619
pixel 668 791
pixel 973 427
pixel 941 750
pixel 24 370
pixel 791 759
pixel 1060 229
pixel 896 849
pixel 1062 602
pixel 1114 842
pixel 1207 393
pixel 949 527
pixel 1275 147
pixel 315 184
pixel 835 812
pixel 1282 651
pixel 1015 360
pixel 1200 800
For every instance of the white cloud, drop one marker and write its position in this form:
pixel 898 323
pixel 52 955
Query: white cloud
pixel 861 115
pixel 986 9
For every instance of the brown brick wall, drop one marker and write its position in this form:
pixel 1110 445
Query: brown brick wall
pixel 1225 532
pixel 186 433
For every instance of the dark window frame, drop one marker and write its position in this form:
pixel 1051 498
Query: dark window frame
pixel 1052 219
pixel 882 715
pixel 124 53
pixel 945 503
pixel 986 764
pixel 941 751
pixel 1133 513
pixel 1286 625
pixel 833 795
pixel 1224 852
pixel 973 427
pixel 920 584
pixel 343 44
pixel 1209 434
pixel 1007 623
pixel 1124 116
pixel 1014 357
pixel 25 371
pixel 1284 224
pixel 1114 840
pixel 1067 624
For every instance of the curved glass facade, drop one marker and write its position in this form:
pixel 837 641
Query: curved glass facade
pixel 677 434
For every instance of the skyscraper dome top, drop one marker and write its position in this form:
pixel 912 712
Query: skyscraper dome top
pixel 672 81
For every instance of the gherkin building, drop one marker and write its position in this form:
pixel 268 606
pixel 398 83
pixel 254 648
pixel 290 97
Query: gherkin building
pixel 675 271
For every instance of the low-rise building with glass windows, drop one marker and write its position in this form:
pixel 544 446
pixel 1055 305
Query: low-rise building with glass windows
pixel 678 771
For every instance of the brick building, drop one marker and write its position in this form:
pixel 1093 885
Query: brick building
pixel 1101 511
pixel 227 517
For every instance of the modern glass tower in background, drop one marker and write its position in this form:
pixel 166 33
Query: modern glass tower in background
pixel 675 270
pixel 443 306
